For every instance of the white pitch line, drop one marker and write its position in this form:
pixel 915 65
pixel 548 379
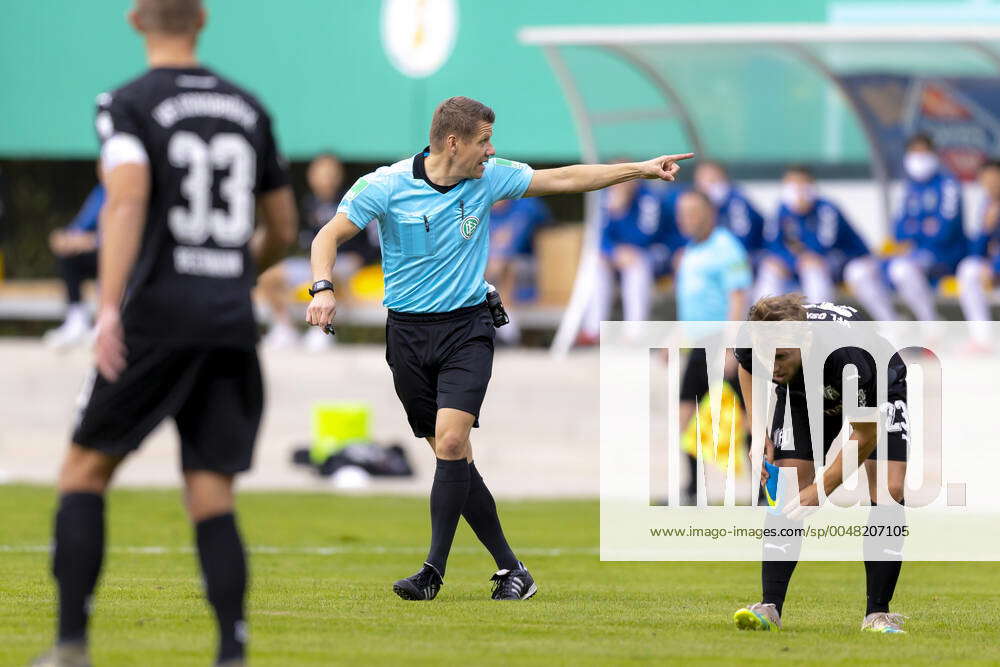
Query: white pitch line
pixel 308 551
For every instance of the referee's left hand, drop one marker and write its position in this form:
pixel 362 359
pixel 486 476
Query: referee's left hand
pixel 322 309
pixel 109 348
pixel 664 167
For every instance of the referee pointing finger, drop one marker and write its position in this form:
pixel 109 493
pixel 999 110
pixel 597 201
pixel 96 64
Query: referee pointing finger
pixel 432 211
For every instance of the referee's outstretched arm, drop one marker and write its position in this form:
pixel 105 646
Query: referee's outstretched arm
pixel 587 177
pixel 323 256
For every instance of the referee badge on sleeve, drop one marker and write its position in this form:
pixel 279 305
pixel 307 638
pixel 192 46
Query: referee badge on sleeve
pixel 358 187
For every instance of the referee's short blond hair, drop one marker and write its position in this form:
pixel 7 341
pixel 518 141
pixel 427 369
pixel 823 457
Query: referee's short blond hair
pixel 460 116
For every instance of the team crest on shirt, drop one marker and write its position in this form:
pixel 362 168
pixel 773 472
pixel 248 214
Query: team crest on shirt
pixel 468 226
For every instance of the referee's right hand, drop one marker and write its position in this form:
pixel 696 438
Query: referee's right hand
pixel 321 309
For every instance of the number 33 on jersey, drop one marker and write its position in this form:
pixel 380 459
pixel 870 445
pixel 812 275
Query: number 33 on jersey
pixel 210 150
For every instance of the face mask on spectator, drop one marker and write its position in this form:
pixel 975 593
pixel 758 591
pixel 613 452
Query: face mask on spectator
pixel 717 192
pixel 795 195
pixel 920 166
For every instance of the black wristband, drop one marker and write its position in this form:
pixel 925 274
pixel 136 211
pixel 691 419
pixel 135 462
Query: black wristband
pixel 320 286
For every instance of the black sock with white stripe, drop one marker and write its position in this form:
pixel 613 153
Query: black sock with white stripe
pixel 448 495
pixel 779 558
pixel 480 512
pixel 883 549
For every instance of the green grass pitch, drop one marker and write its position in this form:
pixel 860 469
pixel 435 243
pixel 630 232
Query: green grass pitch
pixel 334 605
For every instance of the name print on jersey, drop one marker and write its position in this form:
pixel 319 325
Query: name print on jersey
pixel 206 105
pixel 196 223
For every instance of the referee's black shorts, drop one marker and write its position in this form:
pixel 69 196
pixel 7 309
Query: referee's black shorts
pixel 440 360
pixel 694 381
pixel 215 396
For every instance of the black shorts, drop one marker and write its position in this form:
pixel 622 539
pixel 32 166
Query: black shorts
pixel 216 397
pixel 894 414
pixel 694 382
pixel 440 360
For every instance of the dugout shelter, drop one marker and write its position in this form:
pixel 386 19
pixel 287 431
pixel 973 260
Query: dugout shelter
pixel 759 92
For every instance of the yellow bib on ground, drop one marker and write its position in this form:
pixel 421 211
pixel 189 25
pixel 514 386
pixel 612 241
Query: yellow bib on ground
pixel 336 425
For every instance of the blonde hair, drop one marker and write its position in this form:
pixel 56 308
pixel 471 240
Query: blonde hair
pixel 778 309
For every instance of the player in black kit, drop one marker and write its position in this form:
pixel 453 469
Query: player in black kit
pixel 883 554
pixel 187 158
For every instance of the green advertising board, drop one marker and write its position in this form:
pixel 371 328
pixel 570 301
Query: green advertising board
pixel 362 77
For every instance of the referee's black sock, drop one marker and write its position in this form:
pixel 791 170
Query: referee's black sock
pixel 77 558
pixel 780 556
pixel 883 550
pixel 481 512
pixel 448 495
pixel 224 568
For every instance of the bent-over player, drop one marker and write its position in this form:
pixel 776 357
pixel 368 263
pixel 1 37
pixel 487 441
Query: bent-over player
pixel 781 556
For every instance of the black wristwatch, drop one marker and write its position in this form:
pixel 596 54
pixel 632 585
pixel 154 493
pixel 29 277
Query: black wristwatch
pixel 320 286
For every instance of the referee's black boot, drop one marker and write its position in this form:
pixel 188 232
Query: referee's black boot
pixel 424 585
pixel 516 584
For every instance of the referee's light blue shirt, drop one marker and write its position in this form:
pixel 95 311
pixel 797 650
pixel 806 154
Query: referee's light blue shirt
pixel 709 272
pixel 435 244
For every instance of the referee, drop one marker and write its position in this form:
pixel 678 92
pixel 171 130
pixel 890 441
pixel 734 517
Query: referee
pixel 433 212
pixel 713 277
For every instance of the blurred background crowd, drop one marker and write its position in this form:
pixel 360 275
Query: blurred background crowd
pixel 873 182
pixel 941 248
